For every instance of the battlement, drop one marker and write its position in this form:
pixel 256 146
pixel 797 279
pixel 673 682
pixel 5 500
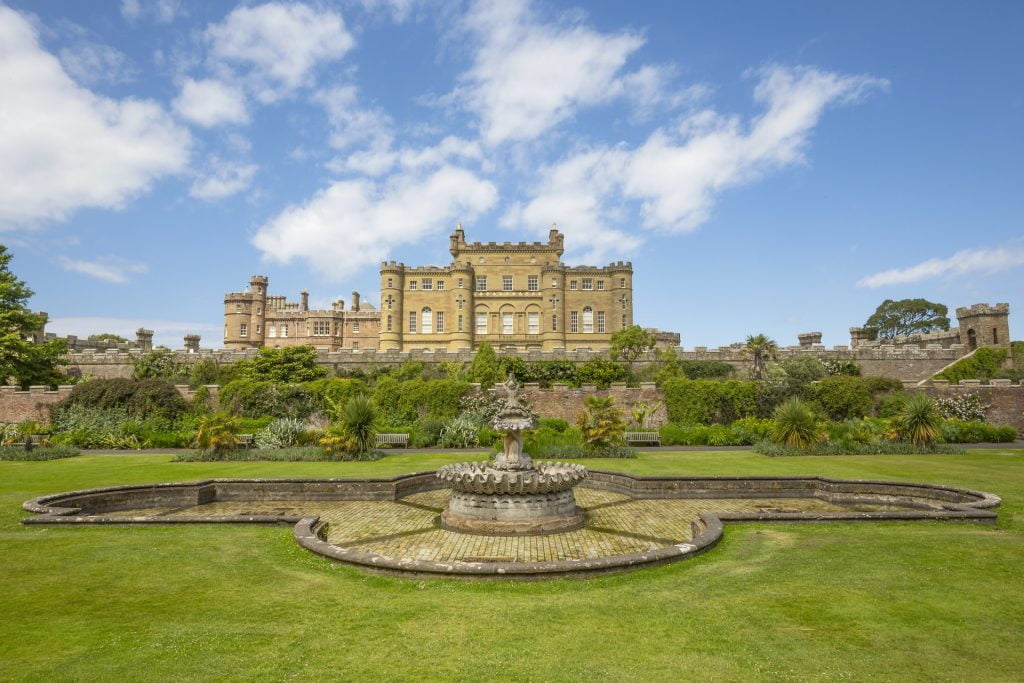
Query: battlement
pixel 982 309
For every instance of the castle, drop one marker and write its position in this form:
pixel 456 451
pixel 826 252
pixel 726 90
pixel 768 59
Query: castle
pixel 515 296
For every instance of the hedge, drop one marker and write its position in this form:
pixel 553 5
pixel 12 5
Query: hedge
pixel 702 401
pixel 140 399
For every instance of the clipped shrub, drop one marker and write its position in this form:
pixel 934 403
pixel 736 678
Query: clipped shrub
pixel 334 389
pixel 709 401
pixel 49 452
pixel 974 431
pixel 890 405
pixel 553 423
pixel 601 372
pixel 134 398
pixel 252 398
pixel 843 397
pixel 405 402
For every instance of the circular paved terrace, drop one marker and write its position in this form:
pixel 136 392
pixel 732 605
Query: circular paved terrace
pixel 392 524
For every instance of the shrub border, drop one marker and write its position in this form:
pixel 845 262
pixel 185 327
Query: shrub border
pixel 958 504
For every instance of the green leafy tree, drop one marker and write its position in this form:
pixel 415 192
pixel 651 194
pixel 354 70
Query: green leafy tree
pixel 908 316
pixel 21 360
pixel 292 364
pixel 761 349
pixel 485 368
pixel 160 364
pixel 630 343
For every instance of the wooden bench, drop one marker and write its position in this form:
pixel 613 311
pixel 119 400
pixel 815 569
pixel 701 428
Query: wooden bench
pixel 643 438
pixel 245 441
pixel 400 440
pixel 31 441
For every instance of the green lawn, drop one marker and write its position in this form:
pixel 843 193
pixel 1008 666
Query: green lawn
pixel 914 600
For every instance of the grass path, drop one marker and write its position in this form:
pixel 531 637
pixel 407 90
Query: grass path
pixel 917 601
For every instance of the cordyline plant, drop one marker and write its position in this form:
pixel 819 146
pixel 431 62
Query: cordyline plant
pixel 919 421
pixel 795 425
pixel 217 433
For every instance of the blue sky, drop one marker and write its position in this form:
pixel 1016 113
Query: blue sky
pixel 767 167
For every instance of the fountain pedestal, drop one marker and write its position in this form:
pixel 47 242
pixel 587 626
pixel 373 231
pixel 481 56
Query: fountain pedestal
pixel 510 494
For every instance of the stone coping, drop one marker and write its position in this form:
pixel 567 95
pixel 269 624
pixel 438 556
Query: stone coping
pixel 922 502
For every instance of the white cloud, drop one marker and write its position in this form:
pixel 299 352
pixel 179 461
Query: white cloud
pixel 222 179
pixel 678 173
pixel 379 160
pixel 62 147
pixel 161 11
pixel 350 123
pixel 528 76
pixel 168 333
pixel 280 44
pixel 107 268
pixel 355 223
pixel 210 102
pixel 981 260
pixel 397 10
pixel 91 62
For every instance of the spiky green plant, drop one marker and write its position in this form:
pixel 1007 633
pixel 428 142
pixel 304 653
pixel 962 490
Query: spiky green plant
pixel 217 433
pixel 359 421
pixel 601 423
pixel 795 425
pixel 919 421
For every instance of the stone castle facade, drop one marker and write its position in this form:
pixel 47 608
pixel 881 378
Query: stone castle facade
pixel 979 325
pixel 515 296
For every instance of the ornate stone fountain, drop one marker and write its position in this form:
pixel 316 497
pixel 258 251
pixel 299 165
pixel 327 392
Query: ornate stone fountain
pixel 510 494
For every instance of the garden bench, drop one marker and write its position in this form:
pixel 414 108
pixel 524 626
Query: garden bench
pixel 644 438
pixel 245 440
pixel 31 441
pixel 400 440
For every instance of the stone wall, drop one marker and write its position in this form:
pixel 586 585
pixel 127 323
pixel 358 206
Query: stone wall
pixel 876 361
pixel 33 404
pixel 564 402
pixel 1006 399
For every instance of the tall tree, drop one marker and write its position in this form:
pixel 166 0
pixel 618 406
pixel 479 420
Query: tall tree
pixel 21 360
pixel 762 349
pixel 485 367
pixel 630 343
pixel 908 316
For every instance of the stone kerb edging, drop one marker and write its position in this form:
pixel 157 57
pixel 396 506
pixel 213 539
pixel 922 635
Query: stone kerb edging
pixel 956 504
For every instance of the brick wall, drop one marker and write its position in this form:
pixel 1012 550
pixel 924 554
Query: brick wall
pixel 562 401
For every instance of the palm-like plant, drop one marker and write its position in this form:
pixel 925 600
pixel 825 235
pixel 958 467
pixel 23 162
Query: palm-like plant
pixel 641 411
pixel 919 421
pixel 359 421
pixel 217 433
pixel 762 349
pixel 601 423
pixel 795 425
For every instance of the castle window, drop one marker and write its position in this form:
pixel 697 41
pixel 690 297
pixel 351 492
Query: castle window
pixel 622 283
pixel 459 303
pixel 572 284
pixel 321 328
pixel 554 283
pixel 243 330
pixel 461 282
pixel 412 321
pixel 390 301
pixel 588 320
pixel 531 283
pixel 427 325
pixel 440 285
pixel 389 323
pixel 439 326
pixel 481 323
pixel 506 323
pixel 588 283
pixel 284 330
pixel 355 345
pixel 481 283
pixel 259 310
pixel 427 284
pixel 600 322
pixel 460 323
pixel 624 326
pixel 258 328
pixel 995 336
pixel 506 283
pixel 355 326
pixel 574 321
pixel 271 330
pixel 624 302
pixel 412 285
pixel 600 284
pixel 533 323
pixel 554 322
pixel 391 283
pixel 238 307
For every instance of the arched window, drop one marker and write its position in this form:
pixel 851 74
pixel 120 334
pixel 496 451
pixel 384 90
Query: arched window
pixel 972 339
pixel 427 323
pixel 588 320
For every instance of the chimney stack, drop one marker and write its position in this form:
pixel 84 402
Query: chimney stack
pixel 355 301
pixel 305 300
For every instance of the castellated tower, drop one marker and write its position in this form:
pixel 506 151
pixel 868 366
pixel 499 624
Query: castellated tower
pixel 392 281
pixel 244 314
pixel 984 325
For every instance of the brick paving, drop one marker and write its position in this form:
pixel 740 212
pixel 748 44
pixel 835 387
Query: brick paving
pixel 408 528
